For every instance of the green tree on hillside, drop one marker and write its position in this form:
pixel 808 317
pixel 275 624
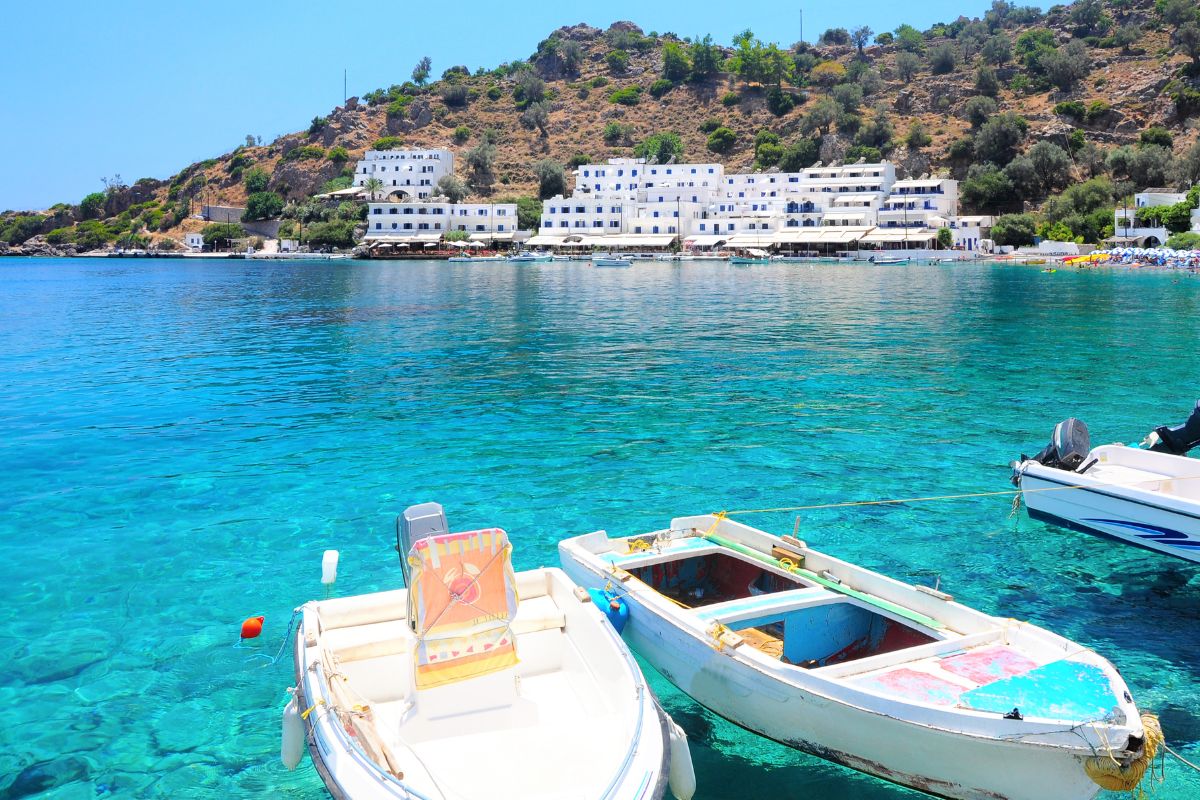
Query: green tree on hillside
pixel 705 57
pixel 676 66
pixel 552 180
pixel 420 73
pixel 219 235
pixel 660 148
pixel 92 206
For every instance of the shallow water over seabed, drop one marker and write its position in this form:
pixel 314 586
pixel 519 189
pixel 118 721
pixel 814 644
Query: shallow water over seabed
pixel 181 440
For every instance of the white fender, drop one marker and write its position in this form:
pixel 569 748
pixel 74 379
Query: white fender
pixel 329 562
pixel 292 749
pixel 682 777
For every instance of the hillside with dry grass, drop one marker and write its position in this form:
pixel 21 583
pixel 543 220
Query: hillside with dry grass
pixel 1111 86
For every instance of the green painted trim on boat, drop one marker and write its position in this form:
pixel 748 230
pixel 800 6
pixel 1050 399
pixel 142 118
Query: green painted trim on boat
pixel 834 586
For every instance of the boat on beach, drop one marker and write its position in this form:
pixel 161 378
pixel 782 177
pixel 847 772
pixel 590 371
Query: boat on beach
pixel 894 680
pixel 1145 496
pixel 475 682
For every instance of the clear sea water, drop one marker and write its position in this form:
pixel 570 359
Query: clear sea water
pixel 180 441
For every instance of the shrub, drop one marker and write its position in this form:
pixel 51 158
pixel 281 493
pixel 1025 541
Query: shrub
pixel 1071 108
pixel 616 133
pixel 942 59
pixel 262 205
pixel 706 59
pixel 308 152
pixel 828 73
pixel 986 82
pixel 256 180
pixel 455 95
pixel 92 206
pixel 709 125
pixel 579 159
pixel 551 178
pixel 802 153
pixel 317 124
pixel 730 99
pixel 660 87
pixel 399 106
pixel 388 143
pixel 835 36
pixel 494 92
pixel 1014 229
pixel 1000 137
pixel 721 140
pixel 629 96
pixel 598 82
pixel 336 233
pixel 907 66
pixel 917 136
pixel 1097 110
pixel 453 188
pixel 1155 136
pixel 979 110
pixel 617 61
pixel 1180 241
pixel 221 234
pixel 676 64
pixel 780 102
pixel 338 154
pixel 660 147
pixel 884 38
pixel 768 154
pixel 865 152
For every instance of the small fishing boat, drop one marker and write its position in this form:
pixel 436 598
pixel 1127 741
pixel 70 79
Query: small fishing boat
pixel 1145 496
pixel 610 260
pixel 894 680
pixel 752 256
pixel 889 262
pixel 526 257
pixel 453 688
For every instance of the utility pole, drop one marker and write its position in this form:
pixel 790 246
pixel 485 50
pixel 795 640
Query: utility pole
pixel 802 25
pixel 345 94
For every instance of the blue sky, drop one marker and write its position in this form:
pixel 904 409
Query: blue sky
pixel 144 88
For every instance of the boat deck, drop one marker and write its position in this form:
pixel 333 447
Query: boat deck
pixel 516 724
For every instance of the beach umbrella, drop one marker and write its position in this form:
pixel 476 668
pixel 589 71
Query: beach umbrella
pixel 458 244
pixel 401 244
pixel 475 244
pixel 430 244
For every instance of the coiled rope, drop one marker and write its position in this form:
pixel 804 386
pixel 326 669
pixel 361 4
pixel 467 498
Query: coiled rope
pixel 1108 773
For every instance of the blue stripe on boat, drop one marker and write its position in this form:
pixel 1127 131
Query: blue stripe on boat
pixel 1153 533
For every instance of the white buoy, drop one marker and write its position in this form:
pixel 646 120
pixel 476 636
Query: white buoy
pixel 329 563
pixel 682 777
pixel 292 749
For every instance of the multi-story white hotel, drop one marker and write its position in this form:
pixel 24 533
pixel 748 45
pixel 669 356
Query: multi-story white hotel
pixel 405 174
pixel 1127 230
pixel 427 221
pixel 628 202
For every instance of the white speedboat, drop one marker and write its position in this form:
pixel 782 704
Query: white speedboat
pixel 894 680
pixel 527 257
pixel 453 689
pixel 1145 497
pixel 609 260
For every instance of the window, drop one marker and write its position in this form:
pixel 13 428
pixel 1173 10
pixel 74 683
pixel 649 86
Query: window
pixel 408 226
pixel 655 229
pixel 597 224
pixel 377 210
pixel 478 227
pixel 500 227
pixel 701 226
pixel 378 226
pixel 395 225
pixel 423 226
pixel 614 224
pixel 393 210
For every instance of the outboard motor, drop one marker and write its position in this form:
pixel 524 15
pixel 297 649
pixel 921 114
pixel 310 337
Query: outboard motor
pixel 1068 447
pixel 418 522
pixel 1177 440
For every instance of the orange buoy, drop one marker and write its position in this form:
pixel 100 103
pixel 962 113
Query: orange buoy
pixel 252 627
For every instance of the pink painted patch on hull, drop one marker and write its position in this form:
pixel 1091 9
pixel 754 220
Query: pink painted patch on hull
pixel 913 685
pixel 988 664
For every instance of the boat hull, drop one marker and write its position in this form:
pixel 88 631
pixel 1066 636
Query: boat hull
pixel 1108 512
pixel 940 762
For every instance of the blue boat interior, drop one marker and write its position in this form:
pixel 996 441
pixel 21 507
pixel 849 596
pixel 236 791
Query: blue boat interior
pixel 809 635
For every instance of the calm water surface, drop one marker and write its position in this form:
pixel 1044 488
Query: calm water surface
pixel 180 441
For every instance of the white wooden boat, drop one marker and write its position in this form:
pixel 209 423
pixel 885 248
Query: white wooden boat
pixel 452 689
pixel 888 262
pixel 527 257
pixel 894 680
pixel 1145 497
pixel 609 260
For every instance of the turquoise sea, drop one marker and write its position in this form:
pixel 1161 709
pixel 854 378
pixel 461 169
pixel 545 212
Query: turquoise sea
pixel 180 441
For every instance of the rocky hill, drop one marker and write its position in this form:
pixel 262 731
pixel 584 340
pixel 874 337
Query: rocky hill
pixel 1091 78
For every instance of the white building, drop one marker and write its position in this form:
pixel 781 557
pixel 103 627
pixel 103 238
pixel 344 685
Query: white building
pixel 194 240
pixel 627 202
pixel 405 174
pixel 422 222
pixel 1126 229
